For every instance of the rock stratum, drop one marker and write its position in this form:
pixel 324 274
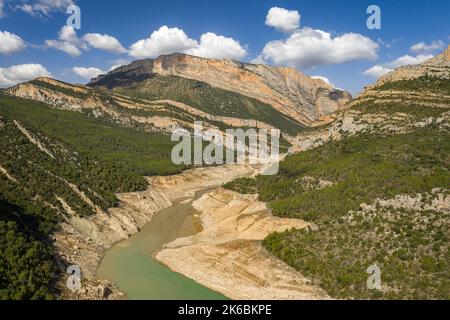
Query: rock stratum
pixel 291 92
pixel 438 66
pixel 83 241
pixel 227 255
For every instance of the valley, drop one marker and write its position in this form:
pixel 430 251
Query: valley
pixel 86 171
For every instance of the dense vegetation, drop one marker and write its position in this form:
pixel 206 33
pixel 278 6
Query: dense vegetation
pixel 211 100
pixel 65 88
pixel 412 248
pixel 26 262
pixel 96 138
pixel 417 112
pixel 425 83
pixel 77 153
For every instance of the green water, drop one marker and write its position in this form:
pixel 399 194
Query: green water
pixel 131 266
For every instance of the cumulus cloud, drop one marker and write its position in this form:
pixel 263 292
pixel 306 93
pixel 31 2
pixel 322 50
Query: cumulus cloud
pixel 10 43
pixel 377 71
pixel 324 79
pixel 167 40
pixel 87 73
pixel 382 69
pixel 19 73
pixel 104 42
pixel 64 46
pixel 283 20
pixel 67 42
pixel 68 33
pixel 423 48
pixel 408 60
pixel 44 8
pixel 258 60
pixel 163 41
pixel 219 47
pixel 70 43
pixel 308 48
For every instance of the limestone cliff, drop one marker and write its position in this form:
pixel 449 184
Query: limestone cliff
pixel 438 66
pixel 447 55
pixel 286 89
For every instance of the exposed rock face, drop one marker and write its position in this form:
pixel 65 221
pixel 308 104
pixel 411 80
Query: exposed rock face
pixel 289 91
pixel 447 55
pixel 82 241
pixel 79 98
pixel 227 255
pixel 356 120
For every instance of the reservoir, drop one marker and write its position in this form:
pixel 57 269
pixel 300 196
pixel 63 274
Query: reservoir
pixel 130 264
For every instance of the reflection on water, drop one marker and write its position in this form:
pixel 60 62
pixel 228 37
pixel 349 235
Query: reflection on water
pixel 131 266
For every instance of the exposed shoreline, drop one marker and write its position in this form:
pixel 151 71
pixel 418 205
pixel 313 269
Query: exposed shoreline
pixel 84 241
pixel 227 255
pixel 233 226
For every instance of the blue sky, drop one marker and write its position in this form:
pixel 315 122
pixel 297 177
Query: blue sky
pixel 330 40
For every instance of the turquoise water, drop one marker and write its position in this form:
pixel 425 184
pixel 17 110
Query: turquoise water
pixel 131 266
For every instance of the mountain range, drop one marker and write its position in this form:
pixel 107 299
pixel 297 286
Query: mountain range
pixel 370 173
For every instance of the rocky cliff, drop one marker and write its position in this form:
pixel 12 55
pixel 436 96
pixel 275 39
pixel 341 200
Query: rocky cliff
pixel 286 89
pixel 438 66
pixel 447 55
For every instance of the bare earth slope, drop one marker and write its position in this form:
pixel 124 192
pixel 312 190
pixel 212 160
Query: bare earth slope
pixel 227 255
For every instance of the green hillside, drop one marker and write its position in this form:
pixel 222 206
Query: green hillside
pixel 211 100
pixel 97 156
pixel 411 246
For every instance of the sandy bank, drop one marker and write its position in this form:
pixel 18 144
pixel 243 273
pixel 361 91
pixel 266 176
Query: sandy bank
pixel 83 241
pixel 227 255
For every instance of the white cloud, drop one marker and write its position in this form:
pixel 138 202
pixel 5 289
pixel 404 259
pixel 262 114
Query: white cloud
pixel 283 20
pixel 19 73
pixel 67 42
pixel 219 47
pixel 258 60
pixel 408 60
pixel 377 71
pixel 87 73
pixel 163 41
pixel 308 48
pixel 324 79
pixel 167 40
pixel 382 69
pixel 44 8
pixel 423 47
pixel 64 46
pixel 104 42
pixel 10 43
pixel 115 66
pixel 68 33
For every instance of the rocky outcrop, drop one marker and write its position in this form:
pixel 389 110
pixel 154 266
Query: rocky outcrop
pixel 286 89
pixel 438 66
pixel 362 117
pixel 83 241
pixel 447 55
pixel 227 255
pixel 123 109
pixel 355 121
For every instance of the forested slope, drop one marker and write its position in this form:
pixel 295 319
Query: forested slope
pixel 56 163
pixel 377 193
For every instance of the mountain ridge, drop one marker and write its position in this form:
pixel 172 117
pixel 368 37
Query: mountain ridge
pixel 306 100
